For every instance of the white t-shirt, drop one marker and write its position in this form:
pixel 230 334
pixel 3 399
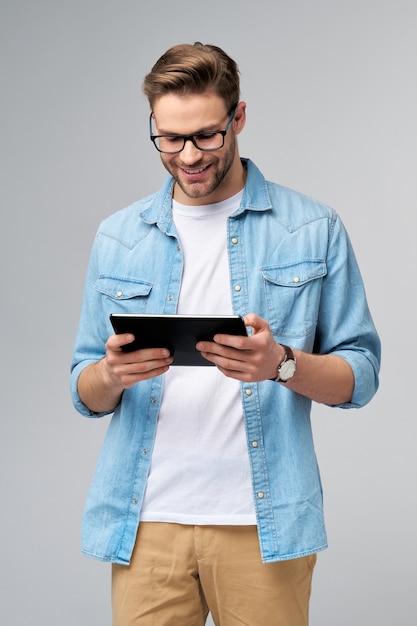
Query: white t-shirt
pixel 200 471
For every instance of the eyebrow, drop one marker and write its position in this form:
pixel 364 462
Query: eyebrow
pixel 207 129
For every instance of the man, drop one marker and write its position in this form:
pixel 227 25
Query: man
pixel 207 495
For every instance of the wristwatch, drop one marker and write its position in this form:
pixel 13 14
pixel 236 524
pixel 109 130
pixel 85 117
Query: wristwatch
pixel 286 369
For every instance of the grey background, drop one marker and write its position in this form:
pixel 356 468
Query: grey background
pixel 332 99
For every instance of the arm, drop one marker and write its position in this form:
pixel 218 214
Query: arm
pixel 324 378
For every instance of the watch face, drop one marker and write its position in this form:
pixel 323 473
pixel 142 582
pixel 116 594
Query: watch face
pixel 287 370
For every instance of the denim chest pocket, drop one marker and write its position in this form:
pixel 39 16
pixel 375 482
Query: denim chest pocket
pixel 127 295
pixel 292 294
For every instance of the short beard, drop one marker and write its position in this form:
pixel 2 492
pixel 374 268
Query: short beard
pixel 194 190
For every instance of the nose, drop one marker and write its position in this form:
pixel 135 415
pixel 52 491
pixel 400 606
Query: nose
pixel 190 154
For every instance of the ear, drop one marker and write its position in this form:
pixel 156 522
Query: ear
pixel 240 118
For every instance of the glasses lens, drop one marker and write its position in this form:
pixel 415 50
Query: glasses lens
pixel 175 143
pixel 209 141
pixel 169 144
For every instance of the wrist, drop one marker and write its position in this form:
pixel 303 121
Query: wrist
pixel 287 366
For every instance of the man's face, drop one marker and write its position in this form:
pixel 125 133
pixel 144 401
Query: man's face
pixel 202 177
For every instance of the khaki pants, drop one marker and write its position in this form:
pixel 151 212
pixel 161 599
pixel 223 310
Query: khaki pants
pixel 179 573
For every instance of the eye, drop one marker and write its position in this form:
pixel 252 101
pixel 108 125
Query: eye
pixel 202 137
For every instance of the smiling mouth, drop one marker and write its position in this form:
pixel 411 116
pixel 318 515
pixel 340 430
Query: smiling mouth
pixel 194 171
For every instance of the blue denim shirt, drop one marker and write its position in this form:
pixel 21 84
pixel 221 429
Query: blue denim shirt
pixel 291 262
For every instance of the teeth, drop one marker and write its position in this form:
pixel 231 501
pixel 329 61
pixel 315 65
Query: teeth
pixel 195 171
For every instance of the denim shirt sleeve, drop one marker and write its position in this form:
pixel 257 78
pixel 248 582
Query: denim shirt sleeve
pixel 345 326
pixel 93 332
pixel 120 278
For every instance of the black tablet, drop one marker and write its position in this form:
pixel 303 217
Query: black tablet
pixel 178 333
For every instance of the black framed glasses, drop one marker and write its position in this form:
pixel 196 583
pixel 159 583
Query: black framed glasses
pixel 172 144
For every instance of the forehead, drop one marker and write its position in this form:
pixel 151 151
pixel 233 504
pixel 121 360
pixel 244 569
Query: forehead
pixel 189 113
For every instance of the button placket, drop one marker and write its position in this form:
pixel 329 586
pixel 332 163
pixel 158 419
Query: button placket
pixel 257 452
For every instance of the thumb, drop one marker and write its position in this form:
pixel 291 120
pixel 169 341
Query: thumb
pixel 257 323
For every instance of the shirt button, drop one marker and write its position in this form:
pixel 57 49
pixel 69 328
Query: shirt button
pixel 119 293
pixel 235 240
pixel 248 392
pixel 260 495
pixel 237 287
pixel 254 444
pixel 296 279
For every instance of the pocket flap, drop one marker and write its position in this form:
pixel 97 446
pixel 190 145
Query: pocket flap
pixel 295 274
pixel 122 288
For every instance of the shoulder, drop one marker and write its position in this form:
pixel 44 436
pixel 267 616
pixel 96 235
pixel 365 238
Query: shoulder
pixel 127 215
pixel 295 207
pixel 292 208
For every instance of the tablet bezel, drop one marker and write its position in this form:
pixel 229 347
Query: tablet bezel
pixel 178 333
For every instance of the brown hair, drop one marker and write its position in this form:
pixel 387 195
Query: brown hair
pixel 194 68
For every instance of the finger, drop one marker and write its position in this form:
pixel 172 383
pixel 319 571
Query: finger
pixel 226 357
pixel 237 342
pixel 116 342
pixel 257 323
pixel 130 373
pixel 136 363
pixel 128 380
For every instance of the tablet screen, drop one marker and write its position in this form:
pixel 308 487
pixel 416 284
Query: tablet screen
pixel 178 333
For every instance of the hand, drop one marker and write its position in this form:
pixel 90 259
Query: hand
pixel 125 369
pixel 248 359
